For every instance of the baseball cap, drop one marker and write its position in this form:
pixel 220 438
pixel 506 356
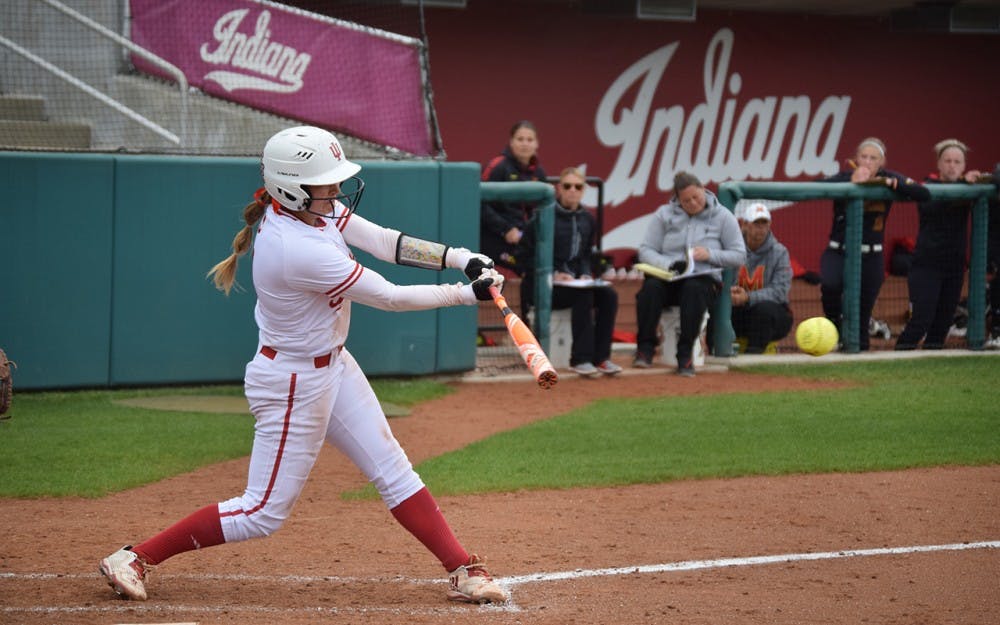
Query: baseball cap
pixel 756 211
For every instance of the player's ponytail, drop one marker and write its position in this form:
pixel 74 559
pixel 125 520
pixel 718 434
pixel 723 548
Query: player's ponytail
pixel 223 274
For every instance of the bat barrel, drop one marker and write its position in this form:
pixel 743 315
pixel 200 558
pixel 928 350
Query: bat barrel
pixel 531 352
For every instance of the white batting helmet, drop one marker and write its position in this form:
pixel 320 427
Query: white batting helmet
pixel 305 155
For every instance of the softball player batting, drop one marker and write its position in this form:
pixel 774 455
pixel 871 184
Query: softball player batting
pixel 303 387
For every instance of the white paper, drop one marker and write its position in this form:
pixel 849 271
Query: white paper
pixel 582 283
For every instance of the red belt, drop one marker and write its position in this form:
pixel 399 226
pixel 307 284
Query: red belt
pixel 319 361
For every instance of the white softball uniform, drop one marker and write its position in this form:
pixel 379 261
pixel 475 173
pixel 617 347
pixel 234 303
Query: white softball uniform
pixel 303 387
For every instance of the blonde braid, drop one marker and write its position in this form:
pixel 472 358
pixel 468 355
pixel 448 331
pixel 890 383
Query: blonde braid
pixel 223 274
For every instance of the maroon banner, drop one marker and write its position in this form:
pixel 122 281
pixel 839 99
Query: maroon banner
pixel 296 64
pixel 731 96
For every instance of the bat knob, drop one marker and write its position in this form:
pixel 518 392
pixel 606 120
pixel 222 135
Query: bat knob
pixel 548 379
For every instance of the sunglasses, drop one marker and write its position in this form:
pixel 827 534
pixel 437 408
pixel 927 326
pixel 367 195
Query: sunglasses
pixel 569 185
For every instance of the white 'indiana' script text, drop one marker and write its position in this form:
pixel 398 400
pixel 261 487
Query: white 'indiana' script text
pixel 741 151
pixel 256 53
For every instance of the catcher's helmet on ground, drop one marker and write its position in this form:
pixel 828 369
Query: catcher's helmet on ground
pixel 306 155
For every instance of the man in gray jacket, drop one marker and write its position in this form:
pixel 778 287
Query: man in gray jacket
pixel 692 228
pixel 760 295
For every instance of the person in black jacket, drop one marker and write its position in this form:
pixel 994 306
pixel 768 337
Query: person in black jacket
pixel 936 274
pixel 501 225
pixel 867 168
pixel 594 307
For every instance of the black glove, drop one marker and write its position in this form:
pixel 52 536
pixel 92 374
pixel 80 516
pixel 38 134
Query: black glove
pixel 481 288
pixel 678 266
pixel 475 267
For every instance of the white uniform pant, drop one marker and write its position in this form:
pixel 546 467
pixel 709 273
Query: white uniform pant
pixel 297 407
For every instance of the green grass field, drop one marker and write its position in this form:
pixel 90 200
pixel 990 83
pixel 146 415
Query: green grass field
pixel 89 444
pixel 913 413
pixel 894 415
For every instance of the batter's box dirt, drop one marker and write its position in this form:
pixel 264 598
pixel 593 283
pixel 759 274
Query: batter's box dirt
pixel 339 561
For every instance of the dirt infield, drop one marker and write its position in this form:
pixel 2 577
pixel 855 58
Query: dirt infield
pixel 845 549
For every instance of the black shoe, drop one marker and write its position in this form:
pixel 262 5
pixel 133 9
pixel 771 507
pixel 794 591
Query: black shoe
pixel 685 368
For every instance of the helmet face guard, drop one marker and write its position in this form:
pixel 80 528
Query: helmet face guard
pixel 304 156
pixel 348 199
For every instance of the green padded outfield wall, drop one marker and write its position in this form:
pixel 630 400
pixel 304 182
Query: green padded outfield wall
pixel 107 258
pixel 56 228
pixel 412 197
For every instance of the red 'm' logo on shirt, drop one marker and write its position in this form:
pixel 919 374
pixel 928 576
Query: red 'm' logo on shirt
pixel 754 282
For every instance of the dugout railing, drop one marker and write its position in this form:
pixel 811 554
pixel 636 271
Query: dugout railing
pixel 544 196
pixel 731 193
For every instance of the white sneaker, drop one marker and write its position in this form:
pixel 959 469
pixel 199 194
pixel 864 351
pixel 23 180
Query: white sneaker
pixel 993 343
pixel 472 583
pixel 609 368
pixel 126 573
pixel 585 369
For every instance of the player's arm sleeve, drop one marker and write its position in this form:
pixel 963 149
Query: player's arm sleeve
pixel 371 289
pixel 396 247
pixel 378 241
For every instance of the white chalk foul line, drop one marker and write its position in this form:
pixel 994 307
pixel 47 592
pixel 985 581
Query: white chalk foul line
pixel 151 607
pixel 507 582
pixel 692 565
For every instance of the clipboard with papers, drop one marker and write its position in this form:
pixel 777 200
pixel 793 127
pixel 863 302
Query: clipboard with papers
pixel 671 275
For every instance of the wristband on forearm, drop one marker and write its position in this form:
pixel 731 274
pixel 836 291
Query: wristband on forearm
pixel 420 253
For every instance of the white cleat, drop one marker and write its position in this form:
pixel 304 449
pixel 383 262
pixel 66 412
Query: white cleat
pixel 609 368
pixel 126 573
pixel 472 583
pixel 586 370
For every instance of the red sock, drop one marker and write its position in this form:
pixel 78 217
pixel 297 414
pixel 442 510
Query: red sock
pixel 196 531
pixel 420 515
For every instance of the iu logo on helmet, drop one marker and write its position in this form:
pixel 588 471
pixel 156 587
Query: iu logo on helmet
pixel 337 152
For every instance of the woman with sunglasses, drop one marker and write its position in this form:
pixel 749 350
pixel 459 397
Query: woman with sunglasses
pixel 594 306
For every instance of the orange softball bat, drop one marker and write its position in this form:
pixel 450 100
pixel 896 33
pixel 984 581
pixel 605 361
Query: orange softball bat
pixel 536 360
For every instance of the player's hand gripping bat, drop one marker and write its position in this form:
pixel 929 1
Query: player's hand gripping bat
pixel 538 363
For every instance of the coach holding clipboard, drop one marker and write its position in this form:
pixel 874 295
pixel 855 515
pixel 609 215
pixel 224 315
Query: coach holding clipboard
pixel 693 237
